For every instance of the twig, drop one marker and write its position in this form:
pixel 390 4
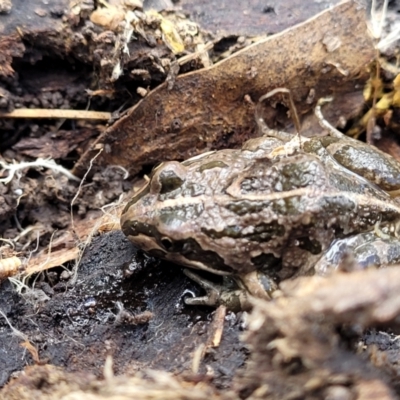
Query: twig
pixel 56 113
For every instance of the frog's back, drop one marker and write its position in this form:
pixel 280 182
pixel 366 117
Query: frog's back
pixel 234 212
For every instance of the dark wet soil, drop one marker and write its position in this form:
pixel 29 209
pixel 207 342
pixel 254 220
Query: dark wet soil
pixel 76 326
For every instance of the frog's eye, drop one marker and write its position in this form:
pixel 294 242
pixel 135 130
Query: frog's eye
pixel 166 242
pixel 167 178
pixel 169 181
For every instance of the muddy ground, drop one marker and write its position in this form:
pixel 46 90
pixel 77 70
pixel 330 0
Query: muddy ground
pixel 77 326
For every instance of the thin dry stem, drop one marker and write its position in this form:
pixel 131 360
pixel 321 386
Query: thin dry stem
pixel 81 183
pixel 56 114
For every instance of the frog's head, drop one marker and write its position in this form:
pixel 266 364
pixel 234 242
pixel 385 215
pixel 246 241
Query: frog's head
pixel 149 208
pixel 163 218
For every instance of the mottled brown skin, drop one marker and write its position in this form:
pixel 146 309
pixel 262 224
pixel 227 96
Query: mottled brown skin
pixel 271 208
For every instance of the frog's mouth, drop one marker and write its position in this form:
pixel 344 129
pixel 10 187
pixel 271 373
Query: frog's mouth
pixel 186 252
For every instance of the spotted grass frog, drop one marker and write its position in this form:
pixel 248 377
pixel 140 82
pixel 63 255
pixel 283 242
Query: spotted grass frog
pixel 274 209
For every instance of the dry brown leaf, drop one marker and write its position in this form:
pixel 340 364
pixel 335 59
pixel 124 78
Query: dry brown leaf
pixel 207 109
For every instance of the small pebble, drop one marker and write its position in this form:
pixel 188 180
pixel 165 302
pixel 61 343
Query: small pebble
pixel 338 393
pixel 65 275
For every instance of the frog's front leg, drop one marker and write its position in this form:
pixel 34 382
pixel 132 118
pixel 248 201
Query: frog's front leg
pixel 237 298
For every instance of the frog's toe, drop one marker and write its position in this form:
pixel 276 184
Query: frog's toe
pixel 213 291
pixel 233 299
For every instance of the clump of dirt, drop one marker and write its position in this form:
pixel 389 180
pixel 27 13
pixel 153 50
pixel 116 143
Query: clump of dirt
pixel 305 343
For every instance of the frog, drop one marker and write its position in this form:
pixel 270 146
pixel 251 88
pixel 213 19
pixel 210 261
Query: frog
pixel 359 252
pixel 269 211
